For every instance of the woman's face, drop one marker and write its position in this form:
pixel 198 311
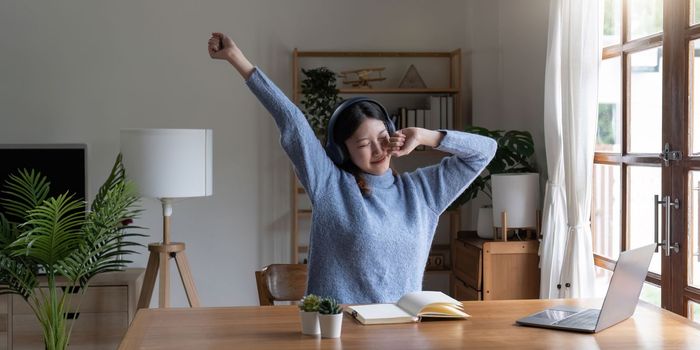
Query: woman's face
pixel 367 147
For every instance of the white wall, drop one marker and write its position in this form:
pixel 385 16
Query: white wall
pixel 508 47
pixel 79 71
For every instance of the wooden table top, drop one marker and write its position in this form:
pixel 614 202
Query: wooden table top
pixel 492 325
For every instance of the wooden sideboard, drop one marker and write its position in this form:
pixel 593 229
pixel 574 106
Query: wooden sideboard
pixel 106 310
pixel 492 270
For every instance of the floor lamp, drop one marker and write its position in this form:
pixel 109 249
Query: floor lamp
pixel 168 164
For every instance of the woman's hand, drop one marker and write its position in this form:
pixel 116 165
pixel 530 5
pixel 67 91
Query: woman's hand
pixel 221 47
pixel 404 141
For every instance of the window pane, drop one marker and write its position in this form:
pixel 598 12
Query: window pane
pixel 646 17
pixel 695 13
pixel 694 311
pixel 609 106
pixel 651 294
pixel 612 19
pixel 643 184
pixel 693 228
pixel 606 210
pixel 695 90
pixel 645 104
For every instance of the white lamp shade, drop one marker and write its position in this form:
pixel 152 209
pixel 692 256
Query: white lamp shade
pixel 169 163
pixel 518 195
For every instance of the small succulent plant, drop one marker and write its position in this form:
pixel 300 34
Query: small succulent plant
pixel 309 303
pixel 329 306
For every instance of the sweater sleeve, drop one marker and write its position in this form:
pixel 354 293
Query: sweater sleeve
pixel 311 164
pixel 442 183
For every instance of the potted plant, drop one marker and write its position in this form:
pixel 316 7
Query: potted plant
pixel 514 154
pixel 308 311
pixel 320 96
pixel 57 236
pixel 330 318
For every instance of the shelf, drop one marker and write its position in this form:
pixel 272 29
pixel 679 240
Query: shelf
pixel 397 91
pixel 389 54
pixel 447 82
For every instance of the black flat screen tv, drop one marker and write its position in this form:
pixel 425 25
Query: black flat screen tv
pixel 63 164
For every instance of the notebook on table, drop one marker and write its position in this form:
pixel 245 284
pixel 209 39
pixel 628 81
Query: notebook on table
pixel 410 308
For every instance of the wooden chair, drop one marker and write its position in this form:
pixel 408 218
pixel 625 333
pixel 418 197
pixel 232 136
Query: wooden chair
pixel 281 282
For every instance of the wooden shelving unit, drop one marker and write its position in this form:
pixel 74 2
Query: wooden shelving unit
pixel 452 87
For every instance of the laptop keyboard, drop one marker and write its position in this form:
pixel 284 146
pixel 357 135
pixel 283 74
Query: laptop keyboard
pixel 586 319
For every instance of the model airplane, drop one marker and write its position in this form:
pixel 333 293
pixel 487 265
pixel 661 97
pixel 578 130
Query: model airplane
pixel 362 77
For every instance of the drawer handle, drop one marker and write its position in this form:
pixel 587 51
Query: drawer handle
pixel 71 290
pixel 72 315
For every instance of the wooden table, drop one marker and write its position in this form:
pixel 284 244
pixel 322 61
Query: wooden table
pixel 491 326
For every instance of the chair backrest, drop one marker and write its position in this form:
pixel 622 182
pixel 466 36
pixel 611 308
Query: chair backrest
pixel 281 282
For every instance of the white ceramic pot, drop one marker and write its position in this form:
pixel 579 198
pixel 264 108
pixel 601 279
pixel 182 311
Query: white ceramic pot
pixel 484 223
pixel 331 325
pixel 309 322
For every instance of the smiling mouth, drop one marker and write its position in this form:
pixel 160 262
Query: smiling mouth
pixel 379 160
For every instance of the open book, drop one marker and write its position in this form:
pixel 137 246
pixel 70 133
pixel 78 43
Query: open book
pixel 410 308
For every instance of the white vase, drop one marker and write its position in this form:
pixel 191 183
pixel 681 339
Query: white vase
pixel 331 325
pixel 309 322
pixel 484 223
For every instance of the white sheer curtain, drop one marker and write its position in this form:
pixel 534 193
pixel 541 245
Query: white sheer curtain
pixel 571 84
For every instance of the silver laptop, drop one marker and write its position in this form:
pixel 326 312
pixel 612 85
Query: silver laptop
pixel 619 304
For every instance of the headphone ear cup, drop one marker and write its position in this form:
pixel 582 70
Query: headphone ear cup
pixel 335 153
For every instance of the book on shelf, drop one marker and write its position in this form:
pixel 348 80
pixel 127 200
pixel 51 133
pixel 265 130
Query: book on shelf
pixel 450 108
pixel 410 308
pixel 435 112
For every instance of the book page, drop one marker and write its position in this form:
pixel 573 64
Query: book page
pixel 380 313
pixel 414 302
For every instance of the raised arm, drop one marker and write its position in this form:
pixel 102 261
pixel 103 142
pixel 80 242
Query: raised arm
pixel 313 167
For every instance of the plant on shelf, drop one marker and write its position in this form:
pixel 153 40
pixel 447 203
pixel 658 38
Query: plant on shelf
pixel 514 154
pixel 309 303
pixel 57 236
pixel 320 96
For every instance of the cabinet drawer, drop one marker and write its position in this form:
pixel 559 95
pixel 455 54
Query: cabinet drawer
pixel 468 264
pixel 464 293
pixel 96 299
pixel 91 331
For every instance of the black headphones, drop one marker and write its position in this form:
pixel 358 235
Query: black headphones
pixel 336 152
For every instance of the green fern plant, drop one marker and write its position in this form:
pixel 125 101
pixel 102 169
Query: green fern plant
pixel 58 236
pixel 329 306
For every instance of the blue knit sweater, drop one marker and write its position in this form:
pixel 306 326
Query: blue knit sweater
pixel 370 249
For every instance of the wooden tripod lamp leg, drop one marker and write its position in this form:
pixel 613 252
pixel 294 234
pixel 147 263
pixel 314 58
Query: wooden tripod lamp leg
pixel 149 281
pixel 187 281
pixel 158 264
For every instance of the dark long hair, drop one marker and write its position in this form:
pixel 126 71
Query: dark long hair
pixel 346 125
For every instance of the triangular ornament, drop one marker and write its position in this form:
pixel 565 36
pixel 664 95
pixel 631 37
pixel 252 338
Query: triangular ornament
pixel 412 80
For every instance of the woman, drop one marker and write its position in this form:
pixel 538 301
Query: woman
pixel 371 229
